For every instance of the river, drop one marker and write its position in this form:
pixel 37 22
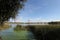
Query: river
pixel 11 34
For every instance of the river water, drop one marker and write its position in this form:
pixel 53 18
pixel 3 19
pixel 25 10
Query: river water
pixel 11 34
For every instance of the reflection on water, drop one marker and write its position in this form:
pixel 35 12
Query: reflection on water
pixel 11 34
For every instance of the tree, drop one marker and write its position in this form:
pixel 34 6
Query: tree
pixel 9 9
pixel 52 22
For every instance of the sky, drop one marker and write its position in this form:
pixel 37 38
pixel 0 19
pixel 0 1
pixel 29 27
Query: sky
pixel 39 10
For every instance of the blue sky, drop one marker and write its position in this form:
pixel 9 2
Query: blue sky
pixel 40 10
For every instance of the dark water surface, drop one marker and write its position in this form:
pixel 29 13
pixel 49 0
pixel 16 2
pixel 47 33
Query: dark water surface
pixel 11 34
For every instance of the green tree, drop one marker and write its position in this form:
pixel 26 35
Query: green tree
pixel 9 9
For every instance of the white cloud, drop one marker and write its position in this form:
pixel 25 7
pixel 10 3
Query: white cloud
pixel 38 20
pixel 19 19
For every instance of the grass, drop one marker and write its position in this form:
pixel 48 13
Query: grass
pixel 4 27
pixel 40 32
pixel 46 32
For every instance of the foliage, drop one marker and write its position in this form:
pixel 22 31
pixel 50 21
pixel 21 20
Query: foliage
pixel 46 32
pixel 53 22
pixel 18 28
pixel 9 9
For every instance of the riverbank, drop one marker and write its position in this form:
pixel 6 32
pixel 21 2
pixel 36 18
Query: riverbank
pixel 40 32
pixel 4 27
pixel 46 32
pixel 16 33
